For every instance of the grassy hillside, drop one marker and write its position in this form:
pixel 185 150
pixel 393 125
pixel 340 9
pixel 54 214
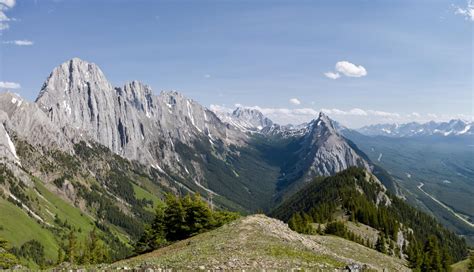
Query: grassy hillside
pixel 259 242
pixel 94 190
pixel 18 228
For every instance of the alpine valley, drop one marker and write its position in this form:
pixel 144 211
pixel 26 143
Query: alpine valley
pixel 90 164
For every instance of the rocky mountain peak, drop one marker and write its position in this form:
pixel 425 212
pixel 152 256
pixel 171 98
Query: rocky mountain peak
pixel 73 75
pixel 323 124
pixel 253 117
pixel 331 152
pixel 245 119
pixel 138 95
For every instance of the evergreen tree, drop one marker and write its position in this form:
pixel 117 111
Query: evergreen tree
pixel 144 244
pixel 414 255
pixel 293 222
pixel 71 250
pixel 60 256
pixel 175 219
pixel 198 215
pixel 154 235
pixel 95 249
pixel 158 227
pixel 432 256
pixel 380 244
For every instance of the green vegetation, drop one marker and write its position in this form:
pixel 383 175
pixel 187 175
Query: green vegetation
pixel 19 228
pixel 7 259
pixel 178 219
pixel 358 196
pixel 235 175
pixel 32 251
pixel 92 250
pixel 39 218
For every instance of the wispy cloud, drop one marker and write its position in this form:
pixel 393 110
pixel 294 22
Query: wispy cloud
pixel 467 12
pixel 4 19
pixel 9 85
pixel 207 76
pixel 20 42
pixel 348 69
pixel 332 75
pixel 295 101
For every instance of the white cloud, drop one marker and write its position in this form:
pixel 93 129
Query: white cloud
pixel 332 75
pixel 295 101
pixel 350 69
pixel 4 6
pixel 207 76
pixel 8 3
pixel 20 42
pixel 9 85
pixel 467 12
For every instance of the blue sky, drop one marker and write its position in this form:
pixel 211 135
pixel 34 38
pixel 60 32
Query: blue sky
pixel 272 55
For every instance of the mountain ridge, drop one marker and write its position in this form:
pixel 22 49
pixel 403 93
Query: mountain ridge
pixel 454 127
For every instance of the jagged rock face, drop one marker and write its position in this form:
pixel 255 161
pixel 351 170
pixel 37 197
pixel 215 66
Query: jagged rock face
pixel 131 120
pixel 7 148
pixel 329 152
pixel 78 95
pixel 31 124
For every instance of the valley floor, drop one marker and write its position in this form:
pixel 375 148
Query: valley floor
pixel 444 206
pixel 258 242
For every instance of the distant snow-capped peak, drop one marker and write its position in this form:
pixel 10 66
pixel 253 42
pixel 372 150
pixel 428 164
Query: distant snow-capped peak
pixel 451 128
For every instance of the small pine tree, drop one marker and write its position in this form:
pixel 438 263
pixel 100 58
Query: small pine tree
pixel 60 256
pixel 71 251
pixel 157 231
pixel 380 244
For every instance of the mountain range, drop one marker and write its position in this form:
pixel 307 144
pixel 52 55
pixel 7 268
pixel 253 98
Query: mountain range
pixel 89 155
pixel 455 127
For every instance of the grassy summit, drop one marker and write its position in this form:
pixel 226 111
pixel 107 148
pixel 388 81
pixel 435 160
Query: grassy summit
pixel 260 242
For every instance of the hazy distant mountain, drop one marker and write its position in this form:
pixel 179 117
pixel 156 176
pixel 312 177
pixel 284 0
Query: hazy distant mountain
pixel 451 128
pixel 245 119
